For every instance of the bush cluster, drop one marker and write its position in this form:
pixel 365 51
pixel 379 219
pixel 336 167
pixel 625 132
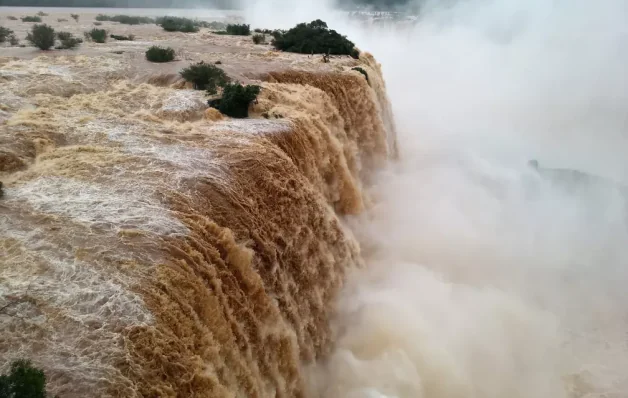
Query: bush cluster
pixel 42 14
pixel 314 38
pixel 31 19
pixel 362 71
pixel 235 100
pixel 238 30
pixel 125 19
pixel 23 381
pixel 122 38
pixel 160 54
pixel 75 17
pixel 12 18
pixel 68 41
pixel 96 35
pixel 5 33
pixel 205 77
pixel 178 24
pixel 259 38
pixel 41 36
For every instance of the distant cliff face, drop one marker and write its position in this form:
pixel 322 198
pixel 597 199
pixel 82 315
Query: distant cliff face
pixel 154 248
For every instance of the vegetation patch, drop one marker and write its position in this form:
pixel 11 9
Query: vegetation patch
pixel 362 71
pixel 12 18
pixel 236 99
pixel 41 36
pixel 5 33
pixel 23 381
pixel 122 38
pixel 68 41
pixel 31 19
pixel 314 38
pixel 259 38
pixel 75 17
pixel 96 35
pixel 178 24
pixel 62 20
pixel 42 14
pixel 160 54
pixel 125 19
pixel 238 29
pixel 205 77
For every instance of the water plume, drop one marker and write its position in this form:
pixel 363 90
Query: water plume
pixel 485 277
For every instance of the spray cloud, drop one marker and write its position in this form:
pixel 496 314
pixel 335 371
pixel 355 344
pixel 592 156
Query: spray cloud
pixel 483 277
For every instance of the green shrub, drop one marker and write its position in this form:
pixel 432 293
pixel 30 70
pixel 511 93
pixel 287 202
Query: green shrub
pixel 12 18
pixel 23 381
pixel 42 36
pixel 96 35
pixel 5 33
pixel 67 41
pixel 177 24
pixel 97 23
pixel 13 40
pixel 205 76
pixel 125 19
pixel 238 30
pixel 31 19
pixel 160 54
pixel 42 14
pixel 235 100
pixel 313 38
pixel 62 20
pixel 259 38
pixel 64 35
pixel 75 17
pixel 362 71
pixel 122 38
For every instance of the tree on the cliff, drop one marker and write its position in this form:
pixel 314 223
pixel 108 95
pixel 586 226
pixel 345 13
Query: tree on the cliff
pixel 177 24
pixel 23 381
pixel 236 99
pixel 238 29
pixel 68 41
pixel 314 38
pixel 205 77
pixel 160 54
pixel 5 33
pixel 362 71
pixel 42 36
